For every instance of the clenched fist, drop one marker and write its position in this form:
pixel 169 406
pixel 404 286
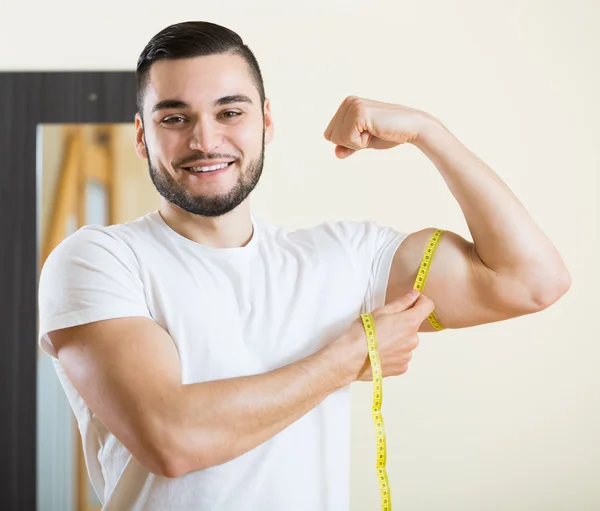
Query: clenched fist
pixel 363 123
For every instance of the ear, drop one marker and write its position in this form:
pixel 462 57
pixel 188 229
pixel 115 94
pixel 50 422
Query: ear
pixel 269 127
pixel 140 145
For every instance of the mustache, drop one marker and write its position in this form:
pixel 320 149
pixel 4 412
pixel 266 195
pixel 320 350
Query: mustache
pixel 200 157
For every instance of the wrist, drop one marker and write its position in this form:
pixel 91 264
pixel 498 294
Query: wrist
pixel 347 356
pixel 430 129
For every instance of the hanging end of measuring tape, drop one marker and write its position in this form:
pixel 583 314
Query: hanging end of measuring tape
pixel 384 486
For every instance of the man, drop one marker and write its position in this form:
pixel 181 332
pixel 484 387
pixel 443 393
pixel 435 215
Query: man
pixel 207 354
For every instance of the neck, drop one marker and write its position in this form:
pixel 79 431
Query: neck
pixel 231 230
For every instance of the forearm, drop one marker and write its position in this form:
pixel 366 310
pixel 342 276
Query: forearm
pixel 218 421
pixel 505 237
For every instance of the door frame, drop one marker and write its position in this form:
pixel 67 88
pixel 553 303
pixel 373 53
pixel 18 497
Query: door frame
pixel 28 99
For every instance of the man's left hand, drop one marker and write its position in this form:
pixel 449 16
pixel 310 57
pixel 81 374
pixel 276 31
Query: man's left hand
pixel 363 123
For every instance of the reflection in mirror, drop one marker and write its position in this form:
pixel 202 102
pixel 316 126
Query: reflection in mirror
pixel 87 174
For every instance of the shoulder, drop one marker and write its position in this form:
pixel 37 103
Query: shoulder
pixel 319 237
pixel 335 231
pixel 96 244
pixel 365 235
pixel 338 231
pixel 363 239
pixel 88 240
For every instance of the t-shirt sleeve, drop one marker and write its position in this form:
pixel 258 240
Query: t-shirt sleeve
pixel 90 276
pixel 371 246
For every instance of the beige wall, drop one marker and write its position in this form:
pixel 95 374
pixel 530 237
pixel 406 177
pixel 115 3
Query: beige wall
pixel 499 417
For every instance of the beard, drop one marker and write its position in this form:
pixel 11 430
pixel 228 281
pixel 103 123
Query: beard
pixel 209 205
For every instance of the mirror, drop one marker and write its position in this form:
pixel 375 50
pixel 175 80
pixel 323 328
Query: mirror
pixel 87 174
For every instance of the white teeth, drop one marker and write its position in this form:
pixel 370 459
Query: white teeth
pixel 207 169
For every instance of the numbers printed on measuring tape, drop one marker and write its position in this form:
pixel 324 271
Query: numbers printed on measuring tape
pixel 424 269
pixel 384 489
pixel 369 326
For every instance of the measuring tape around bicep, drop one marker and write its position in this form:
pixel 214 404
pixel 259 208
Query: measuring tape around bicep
pixel 424 270
pixel 369 325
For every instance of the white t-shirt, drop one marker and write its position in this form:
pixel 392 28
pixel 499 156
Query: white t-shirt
pixel 231 312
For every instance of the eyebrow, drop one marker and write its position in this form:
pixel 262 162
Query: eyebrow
pixel 176 103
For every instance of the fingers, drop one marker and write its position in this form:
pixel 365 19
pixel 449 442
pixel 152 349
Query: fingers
pixel 414 308
pixel 343 152
pixel 345 130
pixel 335 121
pixel 422 308
pixel 402 303
pixel 329 130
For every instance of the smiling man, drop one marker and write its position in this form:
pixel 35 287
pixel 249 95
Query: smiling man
pixel 208 354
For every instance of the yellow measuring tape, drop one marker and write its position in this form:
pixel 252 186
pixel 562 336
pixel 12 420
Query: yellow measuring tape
pixel 424 269
pixel 369 325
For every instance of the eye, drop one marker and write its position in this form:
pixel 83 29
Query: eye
pixel 230 114
pixel 170 120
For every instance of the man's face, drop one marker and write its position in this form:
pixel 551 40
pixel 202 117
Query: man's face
pixel 201 114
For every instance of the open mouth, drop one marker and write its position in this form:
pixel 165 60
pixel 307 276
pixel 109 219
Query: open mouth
pixel 208 169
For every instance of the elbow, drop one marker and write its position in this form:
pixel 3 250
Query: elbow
pixel 551 290
pixel 166 452
pixel 160 461
pixel 169 467
pixel 176 464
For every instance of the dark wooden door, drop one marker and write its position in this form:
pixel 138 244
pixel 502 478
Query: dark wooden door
pixel 27 100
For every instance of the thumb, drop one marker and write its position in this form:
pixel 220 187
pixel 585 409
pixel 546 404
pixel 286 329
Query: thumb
pixel 343 152
pixel 403 303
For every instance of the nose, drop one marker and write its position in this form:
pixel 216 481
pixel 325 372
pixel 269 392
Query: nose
pixel 206 136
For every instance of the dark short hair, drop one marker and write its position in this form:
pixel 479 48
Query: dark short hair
pixel 193 39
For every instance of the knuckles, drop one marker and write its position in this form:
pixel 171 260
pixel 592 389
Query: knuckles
pixel 335 132
pixel 356 105
pixel 351 100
